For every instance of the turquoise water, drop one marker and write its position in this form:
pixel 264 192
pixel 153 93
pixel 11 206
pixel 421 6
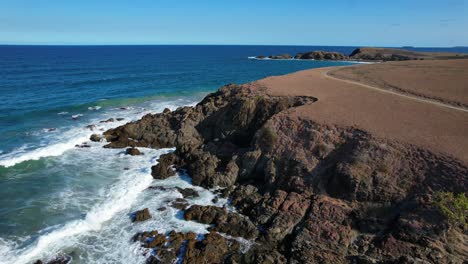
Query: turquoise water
pixel 59 199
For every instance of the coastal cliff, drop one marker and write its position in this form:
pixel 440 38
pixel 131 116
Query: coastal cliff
pixel 304 191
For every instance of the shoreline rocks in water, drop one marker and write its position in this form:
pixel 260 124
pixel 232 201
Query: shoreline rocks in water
pixel 141 215
pixel 304 191
pixel 321 55
pixel 369 54
pixel 133 152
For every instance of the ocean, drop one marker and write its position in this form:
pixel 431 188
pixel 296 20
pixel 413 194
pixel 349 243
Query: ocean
pixel 56 198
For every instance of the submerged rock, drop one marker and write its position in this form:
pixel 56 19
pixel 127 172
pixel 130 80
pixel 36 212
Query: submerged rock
pixel 107 121
pixel 180 204
pixel 91 127
pixel 188 192
pixel 56 260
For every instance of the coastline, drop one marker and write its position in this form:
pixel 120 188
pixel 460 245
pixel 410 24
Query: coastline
pixel 330 175
pixel 294 59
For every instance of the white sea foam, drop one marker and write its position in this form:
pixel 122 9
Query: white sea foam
pixel 91 108
pixel 117 198
pixel 76 116
pixel 293 59
pixel 104 234
pixel 78 134
pixel 19 155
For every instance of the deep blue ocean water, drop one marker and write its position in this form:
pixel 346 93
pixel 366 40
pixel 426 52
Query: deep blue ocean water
pixel 56 198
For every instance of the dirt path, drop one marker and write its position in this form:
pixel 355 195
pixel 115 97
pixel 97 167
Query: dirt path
pixel 412 97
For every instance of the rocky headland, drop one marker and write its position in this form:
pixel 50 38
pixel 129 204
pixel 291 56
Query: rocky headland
pixel 305 191
pixel 369 54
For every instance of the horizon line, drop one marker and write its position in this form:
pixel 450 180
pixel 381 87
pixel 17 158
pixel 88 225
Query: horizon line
pixel 292 45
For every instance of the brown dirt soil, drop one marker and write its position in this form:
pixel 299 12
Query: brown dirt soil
pixel 445 81
pixel 386 115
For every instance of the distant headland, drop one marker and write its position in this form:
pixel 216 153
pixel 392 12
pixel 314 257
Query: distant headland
pixel 367 54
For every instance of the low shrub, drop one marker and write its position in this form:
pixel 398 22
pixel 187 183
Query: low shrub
pixel 454 207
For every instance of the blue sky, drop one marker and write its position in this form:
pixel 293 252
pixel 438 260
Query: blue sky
pixel 293 22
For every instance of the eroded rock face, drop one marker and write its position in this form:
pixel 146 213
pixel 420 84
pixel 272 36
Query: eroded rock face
pixel 304 192
pixel 223 221
pixel 164 169
pixel 213 248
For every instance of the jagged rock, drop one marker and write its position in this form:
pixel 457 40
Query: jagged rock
pixel 120 119
pixel 280 57
pixel 141 215
pixel 223 221
pixel 56 260
pixel 163 169
pixel 166 110
pixel 213 248
pixel 107 121
pixel 180 204
pixel 188 192
pixel 132 152
pixel 95 138
pixel 321 55
pixel 84 145
pixel 306 192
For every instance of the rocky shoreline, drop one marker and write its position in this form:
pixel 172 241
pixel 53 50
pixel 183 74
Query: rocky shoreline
pixel 304 192
pixel 367 55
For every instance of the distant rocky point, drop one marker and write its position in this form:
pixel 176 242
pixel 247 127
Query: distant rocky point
pixel 321 55
pixel 369 54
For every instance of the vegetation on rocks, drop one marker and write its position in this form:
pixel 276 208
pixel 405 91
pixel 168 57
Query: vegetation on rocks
pixel 454 207
pixel 268 137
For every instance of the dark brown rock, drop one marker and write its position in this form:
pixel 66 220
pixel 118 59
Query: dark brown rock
pixel 96 138
pixel 305 192
pixel 91 127
pixel 321 55
pixel 223 221
pixel 56 260
pixel 163 169
pixel 180 204
pixel 188 192
pixel 132 152
pixel 280 57
pixel 141 215
pixel 107 121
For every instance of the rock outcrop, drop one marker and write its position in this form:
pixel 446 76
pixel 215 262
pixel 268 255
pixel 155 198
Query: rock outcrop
pixel 369 54
pixel 321 55
pixel 141 215
pixel 304 192
pixel 133 151
pixel 389 54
